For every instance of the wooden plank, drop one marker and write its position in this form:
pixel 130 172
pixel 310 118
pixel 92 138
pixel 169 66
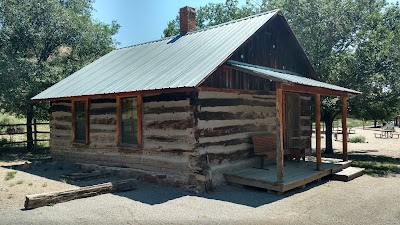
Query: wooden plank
pixel 279 146
pixel 72 121
pixel 344 128
pixel 118 129
pixel 39 200
pixel 87 122
pixel 318 130
pixel 348 174
pixel 139 120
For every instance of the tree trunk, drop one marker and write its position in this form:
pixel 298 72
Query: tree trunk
pixel 29 118
pixel 375 123
pixel 328 134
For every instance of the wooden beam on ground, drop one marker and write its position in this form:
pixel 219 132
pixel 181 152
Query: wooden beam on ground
pixel 39 200
pixel 279 145
pixel 318 130
pixel 344 128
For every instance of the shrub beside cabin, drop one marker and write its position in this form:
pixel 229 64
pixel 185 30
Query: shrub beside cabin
pixel 184 109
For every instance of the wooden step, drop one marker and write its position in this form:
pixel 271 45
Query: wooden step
pixel 348 174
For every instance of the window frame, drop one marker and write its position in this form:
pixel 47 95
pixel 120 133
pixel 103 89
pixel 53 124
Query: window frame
pixel 139 99
pixel 86 101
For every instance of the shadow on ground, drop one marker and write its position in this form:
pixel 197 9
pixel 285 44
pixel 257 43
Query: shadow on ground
pixel 154 194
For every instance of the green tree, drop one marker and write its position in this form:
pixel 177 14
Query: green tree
pixel 42 42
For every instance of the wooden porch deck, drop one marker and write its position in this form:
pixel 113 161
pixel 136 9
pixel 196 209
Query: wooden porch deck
pixel 295 174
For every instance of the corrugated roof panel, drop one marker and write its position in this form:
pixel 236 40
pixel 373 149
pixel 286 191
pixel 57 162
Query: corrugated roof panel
pixel 180 61
pixel 287 76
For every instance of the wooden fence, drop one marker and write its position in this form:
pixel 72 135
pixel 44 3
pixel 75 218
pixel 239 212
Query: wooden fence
pixel 12 130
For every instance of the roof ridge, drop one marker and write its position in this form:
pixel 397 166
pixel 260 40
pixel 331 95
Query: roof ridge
pixel 204 29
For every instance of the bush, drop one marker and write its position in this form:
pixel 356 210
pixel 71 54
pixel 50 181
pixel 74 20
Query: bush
pixel 356 139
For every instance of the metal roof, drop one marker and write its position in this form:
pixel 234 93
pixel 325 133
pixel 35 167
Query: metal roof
pixel 287 76
pixel 176 62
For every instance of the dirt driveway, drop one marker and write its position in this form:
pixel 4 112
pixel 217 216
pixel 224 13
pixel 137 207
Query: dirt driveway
pixel 365 200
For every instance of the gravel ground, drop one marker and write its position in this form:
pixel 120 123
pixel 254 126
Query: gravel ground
pixel 365 200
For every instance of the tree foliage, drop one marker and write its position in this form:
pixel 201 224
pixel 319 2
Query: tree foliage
pixel 42 42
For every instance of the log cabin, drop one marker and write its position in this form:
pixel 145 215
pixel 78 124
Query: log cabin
pixel 188 109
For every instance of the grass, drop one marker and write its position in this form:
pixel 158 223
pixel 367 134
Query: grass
pixel 356 139
pixel 378 168
pixel 350 122
pixel 374 165
pixel 10 154
pixel 10 175
pixel 65 181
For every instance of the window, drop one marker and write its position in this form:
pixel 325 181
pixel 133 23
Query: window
pixel 80 118
pixel 130 121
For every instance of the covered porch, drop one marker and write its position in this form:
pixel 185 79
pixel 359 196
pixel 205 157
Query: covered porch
pixel 282 175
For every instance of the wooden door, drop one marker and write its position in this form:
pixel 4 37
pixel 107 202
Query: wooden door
pixel 292 121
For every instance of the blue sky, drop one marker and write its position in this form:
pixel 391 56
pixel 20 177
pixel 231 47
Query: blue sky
pixel 143 20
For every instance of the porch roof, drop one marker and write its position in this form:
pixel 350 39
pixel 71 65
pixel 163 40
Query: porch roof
pixel 284 76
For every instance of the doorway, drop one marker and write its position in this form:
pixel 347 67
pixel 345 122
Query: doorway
pixel 292 121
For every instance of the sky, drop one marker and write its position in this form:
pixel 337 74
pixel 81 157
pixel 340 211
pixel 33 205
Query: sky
pixel 143 20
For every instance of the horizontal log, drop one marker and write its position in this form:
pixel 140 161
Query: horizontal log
pixel 166 104
pixel 225 149
pixel 101 111
pixel 60 108
pixel 232 102
pixel 231 115
pixel 160 110
pixel 65 118
pixel 227 130
pixel 228 90
pixel 228 95
pixel 239 108
pixel 215 158
pixel 39 200
pixel 61 126
pixel 224 143
pixel 169 124
pixel 170 139
pixel 103 100
pixel 104 121
pixel 168 116
pixel 168 97
pixel 60 101
pixel 237 122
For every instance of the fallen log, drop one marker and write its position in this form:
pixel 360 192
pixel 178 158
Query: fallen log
pixel 39 200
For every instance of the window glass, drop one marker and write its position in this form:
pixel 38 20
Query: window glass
pixel 129 121
pixel 80 122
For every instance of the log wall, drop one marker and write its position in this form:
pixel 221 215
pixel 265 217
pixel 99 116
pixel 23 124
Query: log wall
pixel 168 138
pixel 225 123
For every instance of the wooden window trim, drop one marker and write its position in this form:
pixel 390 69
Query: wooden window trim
pixel 87 117
pixel 139 99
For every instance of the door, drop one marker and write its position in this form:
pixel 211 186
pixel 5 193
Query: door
pixel 292 121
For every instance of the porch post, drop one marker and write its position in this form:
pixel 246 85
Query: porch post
pixel 344 128
pixel 279 143
pixel 318 130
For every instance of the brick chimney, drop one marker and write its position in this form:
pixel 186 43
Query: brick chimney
pixel 187 20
